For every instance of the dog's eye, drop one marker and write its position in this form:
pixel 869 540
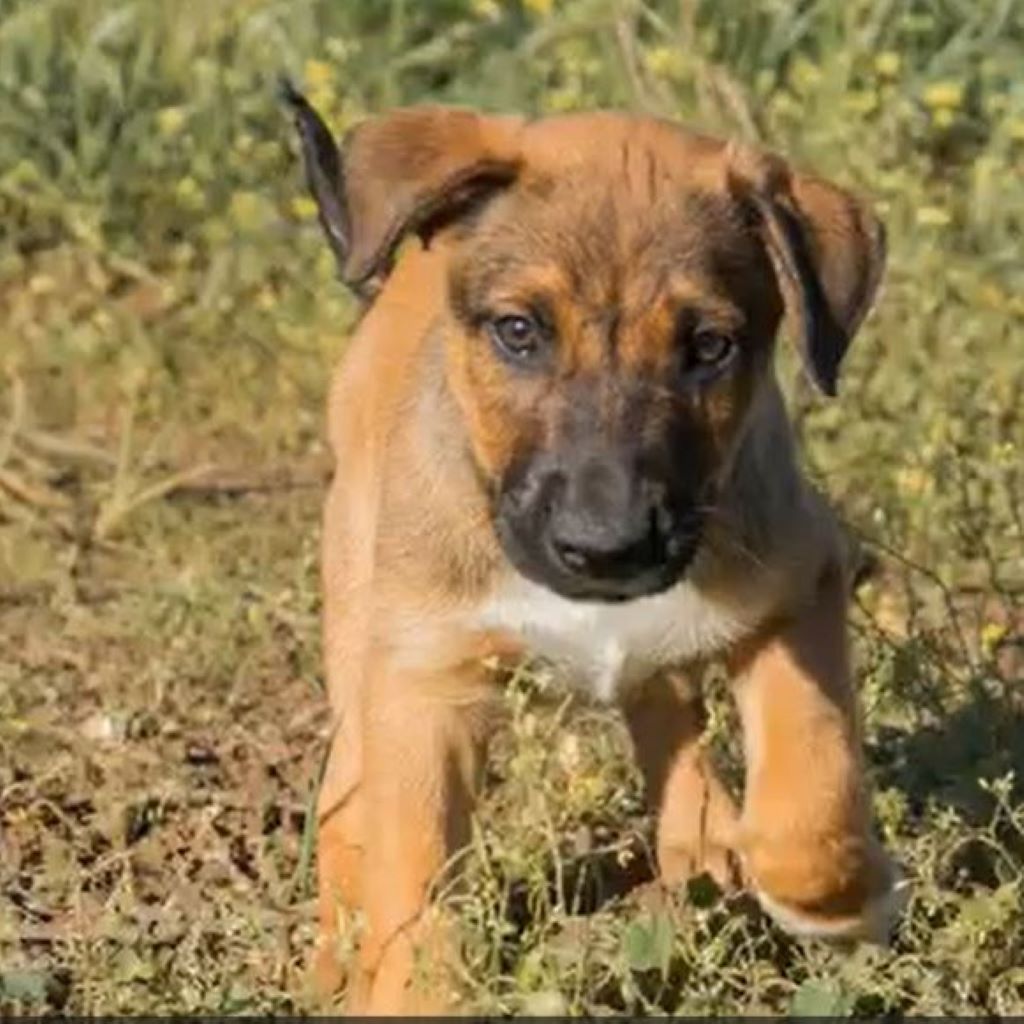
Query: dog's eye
pixel 711 348
pixel 517 336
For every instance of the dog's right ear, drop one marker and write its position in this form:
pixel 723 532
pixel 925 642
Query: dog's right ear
pixel 826 245
pixel 412 170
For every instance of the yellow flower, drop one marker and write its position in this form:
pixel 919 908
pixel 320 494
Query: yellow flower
pixel 171 120
pixel 487 9
pixel 862 101
pixel 540 7
pixel 933 217
pixel 303 207
pixel 666 60
pixel 1005 454
pixel 245 209
pixel 992 634
pixel 888 64
pixel 911 480
pixel 189 194
pixel 944 95
pixel 804 75
pixel 323 99
pixel 318 74
pixel 326 267
pixel 559 101
pixel 785 104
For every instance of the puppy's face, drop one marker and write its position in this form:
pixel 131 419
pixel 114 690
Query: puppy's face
pixel 614 292
pixel 610 322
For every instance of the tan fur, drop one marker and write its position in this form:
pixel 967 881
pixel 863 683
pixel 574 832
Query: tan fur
pixel 417 589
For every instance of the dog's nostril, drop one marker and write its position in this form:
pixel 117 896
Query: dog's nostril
pixel 615 554
pixel 662 521
pixel 573 557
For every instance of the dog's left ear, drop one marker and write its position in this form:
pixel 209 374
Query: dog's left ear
pixel 412 170
pixel 827 248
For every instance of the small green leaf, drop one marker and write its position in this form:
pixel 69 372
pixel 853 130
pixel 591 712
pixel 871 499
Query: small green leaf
pixel 647 943
pixel 821 998
pixel 24 986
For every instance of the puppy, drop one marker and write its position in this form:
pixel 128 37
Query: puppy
pixel 558 430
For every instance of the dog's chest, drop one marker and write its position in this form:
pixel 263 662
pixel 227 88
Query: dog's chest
pixel 606 648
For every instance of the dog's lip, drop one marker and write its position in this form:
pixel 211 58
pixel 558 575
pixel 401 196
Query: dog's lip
pixel 597 591
pixel 547 572
pixel 655 580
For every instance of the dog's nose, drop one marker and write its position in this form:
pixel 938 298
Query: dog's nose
pixel 610 524
pixel 608 555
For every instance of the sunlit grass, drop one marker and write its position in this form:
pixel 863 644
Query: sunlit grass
pixel 168 316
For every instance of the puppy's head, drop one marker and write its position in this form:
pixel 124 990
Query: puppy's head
pixel 615 288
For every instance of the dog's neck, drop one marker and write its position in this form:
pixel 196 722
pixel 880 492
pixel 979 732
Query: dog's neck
pixel 761 489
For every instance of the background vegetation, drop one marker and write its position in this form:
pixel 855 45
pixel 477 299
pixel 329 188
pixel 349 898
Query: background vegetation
pixel 168 316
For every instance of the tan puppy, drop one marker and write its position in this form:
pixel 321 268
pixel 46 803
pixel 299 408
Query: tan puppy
pixel 558 430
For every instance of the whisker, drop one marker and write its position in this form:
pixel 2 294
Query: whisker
pixel 728 535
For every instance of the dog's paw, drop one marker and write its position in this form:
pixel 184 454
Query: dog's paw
pixel 874 922
pixel 697 832
pixel 407 972
pixel 325 977
pixel 857 895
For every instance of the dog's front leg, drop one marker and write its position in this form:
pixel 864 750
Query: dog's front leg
pixel 424 732
pixel 806 837
pixel 695 815
pixel 339 847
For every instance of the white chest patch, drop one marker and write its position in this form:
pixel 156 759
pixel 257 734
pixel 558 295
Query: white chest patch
pixel 606 648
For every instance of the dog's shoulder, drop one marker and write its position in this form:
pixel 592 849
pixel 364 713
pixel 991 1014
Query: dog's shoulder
pixel 380 365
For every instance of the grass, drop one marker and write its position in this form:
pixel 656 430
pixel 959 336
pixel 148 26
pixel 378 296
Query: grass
pixel 168 317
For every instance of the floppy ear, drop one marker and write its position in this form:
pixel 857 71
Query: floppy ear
pixel 827 248
pixel 412 170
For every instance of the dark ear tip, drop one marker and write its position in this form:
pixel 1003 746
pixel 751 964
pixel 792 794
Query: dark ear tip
pixel 289 95
pixel 827 385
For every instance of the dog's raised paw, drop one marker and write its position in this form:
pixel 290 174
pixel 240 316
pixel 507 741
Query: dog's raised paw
pixel 874 922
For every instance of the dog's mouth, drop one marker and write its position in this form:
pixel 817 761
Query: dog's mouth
pixel 650 566
pixel 599 524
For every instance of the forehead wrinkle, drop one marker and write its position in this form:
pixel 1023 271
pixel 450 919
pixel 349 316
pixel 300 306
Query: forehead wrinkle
pixel 652 175
pixel 587 347
pixel 589 239
pixel 641 170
